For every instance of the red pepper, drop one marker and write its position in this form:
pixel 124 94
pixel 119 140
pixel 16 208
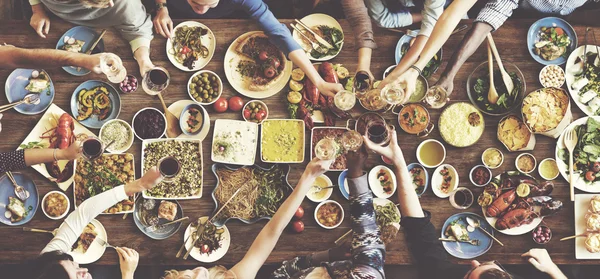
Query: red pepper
pixel 185 50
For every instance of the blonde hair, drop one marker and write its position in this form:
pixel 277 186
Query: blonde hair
pixel 94 3
pixel 215 272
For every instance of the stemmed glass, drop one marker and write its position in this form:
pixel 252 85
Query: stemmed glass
pixel 156 81
pixel 112 66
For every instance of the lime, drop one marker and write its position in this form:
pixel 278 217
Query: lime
pixel 294 97
pixel 297 74
pixel 376 84
pixel 523 190
pixel 342 72
pixel 485 199
pixel 296 86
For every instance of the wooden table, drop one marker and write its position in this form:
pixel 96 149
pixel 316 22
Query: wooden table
pixel 511 42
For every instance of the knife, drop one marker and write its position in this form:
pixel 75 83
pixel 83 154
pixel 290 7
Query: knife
pixel 160 226
pixel 319 39
pixel 89 51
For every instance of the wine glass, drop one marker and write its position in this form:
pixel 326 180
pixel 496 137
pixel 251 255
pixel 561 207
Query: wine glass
pixel 169 167
pixel 112 66
pixel 326 149
pixel 436 97
pixel 462 198
pixel 378 131
pixel 351 140
pixel 92 148
pixel 156 81
pixel 344 100
pixel 393 93
pixel 362 83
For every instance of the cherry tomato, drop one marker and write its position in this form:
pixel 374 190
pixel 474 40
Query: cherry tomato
pixel 220 105
pixel 269 72
pixel 274 62
pixel 298 226
pixel 299 213
pixel 263 55
pixel 260 115
pixel 247 114
pixel 596 167
pixel 559 31
pixel 204 249
pixel 590 176
pixel 236 103
pixel 185 50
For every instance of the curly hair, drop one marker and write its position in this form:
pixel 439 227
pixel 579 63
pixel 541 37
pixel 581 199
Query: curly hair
pixel 494 274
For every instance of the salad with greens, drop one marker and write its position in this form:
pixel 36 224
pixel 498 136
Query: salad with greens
pixel 586 155
pixel 506 100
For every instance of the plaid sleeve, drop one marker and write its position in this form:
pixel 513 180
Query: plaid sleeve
pixel 496 12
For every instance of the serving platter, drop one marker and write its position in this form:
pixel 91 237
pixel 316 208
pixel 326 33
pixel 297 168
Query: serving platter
pixel 87 35
pixel 238 82
pixel 8 190
pixel 93 121
pixel 15 91
pixel 47 122
pixel 382 202
pixel 160 234
pixel 301 138
pixel 176 109
pixel 581 205
pixel 314 20
pixel 243 134
pixel 209 40
pixel 570 77
pixel 215 255
pixel 95 251
pixel 466 250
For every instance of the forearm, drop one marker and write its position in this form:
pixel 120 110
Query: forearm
pixel 36 6
pixel 14 57
pixel 407 196
pixel 556 273
pixel 411 56
pixel 364 58
pixel 127 275
pixel 467 47
pixel 46 155
pixel 358 17
pixel 299 58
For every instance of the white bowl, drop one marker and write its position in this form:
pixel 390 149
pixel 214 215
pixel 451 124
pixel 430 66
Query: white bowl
pixel 562 72
pixel 129 143
pixel 421 146
pixel 260 103
pixel 376 185
pixel 534 162
pixel 436 181
pixel 471 176
pixel 199 73
pixel 64 213
pixel 325 202
pixel 136 114
pixel 540 171
pixel 328 191
pixel 501 156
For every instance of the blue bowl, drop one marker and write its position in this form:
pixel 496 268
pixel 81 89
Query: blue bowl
pixel 532 37
pixel 341 184
pixel 87 35
pixel 182 120
pixel 414 165
pixel 15 91
pixel 93 121
pixel 162 233
pixel 466 250
pixel 8 190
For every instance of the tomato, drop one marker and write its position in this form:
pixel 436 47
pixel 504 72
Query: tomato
pixel 204 249
pixel 260 115
pixel 185 50
pixel 590 176
pixel 596 167
pixel 247 114
pixel 298 226
pixel 299 213
pixel 236 103
pixel 220 105
pixel 263 55
pixel 274 62
pixel 269 72
pixel 559 31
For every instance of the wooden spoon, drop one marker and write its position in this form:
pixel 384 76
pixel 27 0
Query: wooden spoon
pixel 492 94
pixel 173 129
pixel 508 82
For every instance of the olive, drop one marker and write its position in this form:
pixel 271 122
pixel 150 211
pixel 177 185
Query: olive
pixel 215 94
pixel 205 80
pixel 205 96
pixel 253 115
pixel 213 78
pixel 204 74
pixel 255 110
pixel 195 79
pixel 252 105
pixel 259 106
pixel 211 91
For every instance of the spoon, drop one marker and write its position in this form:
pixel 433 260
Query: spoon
pixel 475 223
pixel 29 99
pixel 492 94
pixel 319 188
pixel 508 82
pixel 173 129
pixel 21 192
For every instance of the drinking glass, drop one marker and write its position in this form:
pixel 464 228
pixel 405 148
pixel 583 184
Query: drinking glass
pixel 92 148
pixel 378 131
pixel 393 93
pixel 169 168
pixel 156 80
pixel 112 66
pixel 351 140
pixel 462 198
pixel 362 83
pixel 436 97
pixel 344 100
pixel 326 149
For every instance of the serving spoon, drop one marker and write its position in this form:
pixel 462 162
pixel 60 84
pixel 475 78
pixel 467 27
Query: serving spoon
pixel 508 82
pixel 492 94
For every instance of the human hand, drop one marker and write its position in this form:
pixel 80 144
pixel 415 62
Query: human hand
pixel 71 153
pixel 329 89
pixel 40 21
pixel 162 23
pixel 541 260
pixel 150 179
pixel 446 83
pixel 392 151
pixel 317 167
pixel 356 162
pixel 128 259
pixel 92 62
pixel 145 66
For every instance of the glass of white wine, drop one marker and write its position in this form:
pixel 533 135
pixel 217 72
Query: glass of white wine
pixel 393 93
pixel 436 97
pixel 112 66
pixel 344 100
pixel 326 149
pixel 351 140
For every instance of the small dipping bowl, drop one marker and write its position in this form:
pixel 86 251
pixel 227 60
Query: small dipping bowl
pixel 44 207
pixel 247 106
pixel 487 164
pixel 338 223
pixel 149 108
pixel 324 178
pixel 485 169
pixel 185 114
pixel 129 84
pixel 541 234
pixel 111 149
pixel 521 156
pixel 546 73
pixel 547 163
pixel 428 143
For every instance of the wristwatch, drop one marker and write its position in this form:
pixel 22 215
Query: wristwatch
pixel 161 5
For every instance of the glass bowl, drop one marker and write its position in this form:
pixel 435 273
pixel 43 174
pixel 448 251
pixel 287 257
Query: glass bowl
pixel 482 71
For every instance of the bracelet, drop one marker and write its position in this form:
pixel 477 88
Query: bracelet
pixel 161 5
pixel 416 69
pixel 54 154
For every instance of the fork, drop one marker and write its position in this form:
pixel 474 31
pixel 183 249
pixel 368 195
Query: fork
pixel 570 141
pixel 21 193
pixel 316 46
pixel 103 242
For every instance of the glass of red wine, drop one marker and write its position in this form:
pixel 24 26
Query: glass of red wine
pixel 462 198
pixel 92 148
pixel 169 168
pixel 156 80
pixel 379 132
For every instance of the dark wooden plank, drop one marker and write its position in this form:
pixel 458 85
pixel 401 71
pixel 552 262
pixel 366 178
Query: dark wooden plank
pixel 510 39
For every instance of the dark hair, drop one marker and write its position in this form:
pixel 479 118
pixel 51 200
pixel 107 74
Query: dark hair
pixel 494 273
pixel 47 266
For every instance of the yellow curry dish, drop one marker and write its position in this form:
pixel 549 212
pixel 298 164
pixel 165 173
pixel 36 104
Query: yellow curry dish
pixel 282 141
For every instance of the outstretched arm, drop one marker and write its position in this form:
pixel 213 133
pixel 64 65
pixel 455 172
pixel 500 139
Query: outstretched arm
pixel 358 17
pixel 541 260
pixel 15 57
pixel 265 242
pixel 22 158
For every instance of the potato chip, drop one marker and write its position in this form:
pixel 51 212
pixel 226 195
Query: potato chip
pixel 544 109
pixel 513 133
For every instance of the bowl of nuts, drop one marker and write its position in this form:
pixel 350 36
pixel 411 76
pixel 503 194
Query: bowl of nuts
pixel 205 87
pixel 552 76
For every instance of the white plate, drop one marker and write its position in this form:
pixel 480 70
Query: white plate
pixel 571 79
pixel 563 168
pixel 240 84
pixel 247 143
pixel 96 250
pixel 41 127
pixel 375 185
pixel 208 41
pixel 581 204
pixel 314 20
pixel 215 255
pixel 177 107
pixel 380 201
pixel 436 181
pixel 146 142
